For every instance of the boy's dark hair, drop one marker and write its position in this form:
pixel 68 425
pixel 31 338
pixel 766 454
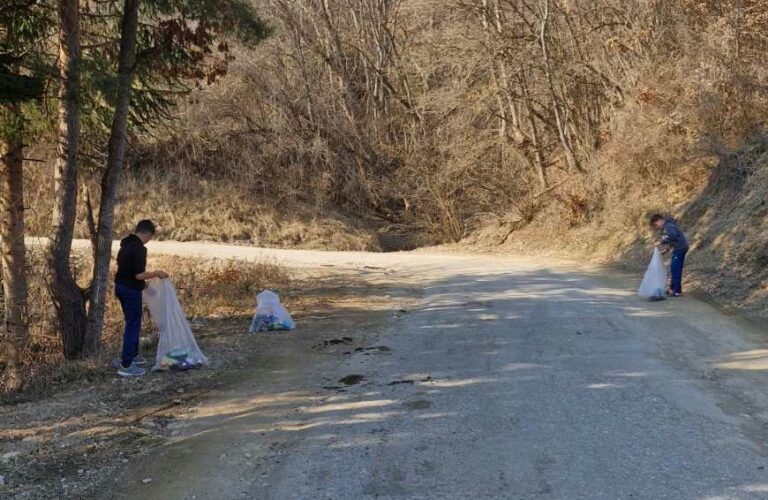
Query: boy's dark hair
pixel 656 217
pixel 145 226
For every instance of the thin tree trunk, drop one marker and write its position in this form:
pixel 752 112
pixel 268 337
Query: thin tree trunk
pixel 14 251
pixel 111 177
pixel 570 156
pixel 67 296
pixel 538 156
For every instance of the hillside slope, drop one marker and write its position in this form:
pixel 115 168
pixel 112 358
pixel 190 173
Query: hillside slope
pixel 526 125
pixel 725 218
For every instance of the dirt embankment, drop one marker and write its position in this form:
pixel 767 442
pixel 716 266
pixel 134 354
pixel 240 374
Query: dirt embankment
pixel 724 214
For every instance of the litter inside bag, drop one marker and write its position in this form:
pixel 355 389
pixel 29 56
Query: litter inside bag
pixel 655 279
pixel 177 349
pixel 270 314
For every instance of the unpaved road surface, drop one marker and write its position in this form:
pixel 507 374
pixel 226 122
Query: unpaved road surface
pixel 507 378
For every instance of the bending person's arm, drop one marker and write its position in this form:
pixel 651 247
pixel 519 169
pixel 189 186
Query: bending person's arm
pixel 141 266
pixel 148 275
pixel 671 235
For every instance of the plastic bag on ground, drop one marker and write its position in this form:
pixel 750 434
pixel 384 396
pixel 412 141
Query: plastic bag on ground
pixel 654 282
pixel 270 314
pixel 177 349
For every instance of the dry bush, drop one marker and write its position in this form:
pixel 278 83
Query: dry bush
pixel 211 210
pixel 206 288
pixel 429 118
pixel 695 101
pixel 222 287
pixel 188 207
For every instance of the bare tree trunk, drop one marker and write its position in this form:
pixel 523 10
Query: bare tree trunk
pixel 111 178
pixel 538 156
pixel 573 162
pixel 14 251
pixel 67 296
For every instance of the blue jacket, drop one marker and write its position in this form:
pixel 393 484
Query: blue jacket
pixel 672 236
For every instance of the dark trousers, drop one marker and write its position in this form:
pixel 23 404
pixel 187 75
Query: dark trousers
pixel 130 301
pixel 676 270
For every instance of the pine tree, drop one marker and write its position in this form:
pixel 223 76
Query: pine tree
pixel 22 24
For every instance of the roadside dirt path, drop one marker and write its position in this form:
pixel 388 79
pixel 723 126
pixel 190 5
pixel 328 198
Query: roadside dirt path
pixel 505 379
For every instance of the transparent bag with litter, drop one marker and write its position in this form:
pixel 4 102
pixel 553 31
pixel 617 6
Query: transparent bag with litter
pixel 655 279
pixel 177 348
pixel 270 314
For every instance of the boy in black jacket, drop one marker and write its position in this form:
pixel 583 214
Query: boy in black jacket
pixel 129 282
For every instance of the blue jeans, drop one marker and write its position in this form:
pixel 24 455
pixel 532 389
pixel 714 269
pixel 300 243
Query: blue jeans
pixel 130 301
pixel 676 270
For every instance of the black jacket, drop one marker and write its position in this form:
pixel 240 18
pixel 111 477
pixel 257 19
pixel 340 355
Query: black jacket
pixel 131 260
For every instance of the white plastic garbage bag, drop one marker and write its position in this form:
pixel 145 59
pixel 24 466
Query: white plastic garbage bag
pixel 177 348
pixel 655 279
pixel 270 314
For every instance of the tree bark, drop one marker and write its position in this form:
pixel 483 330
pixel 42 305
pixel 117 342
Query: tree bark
pixel 13 250
pixel 111 178
pixel 570 156
pixel 67 297
pixel 538 158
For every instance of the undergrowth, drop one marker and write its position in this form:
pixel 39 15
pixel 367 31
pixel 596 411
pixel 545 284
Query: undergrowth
pixel 206 288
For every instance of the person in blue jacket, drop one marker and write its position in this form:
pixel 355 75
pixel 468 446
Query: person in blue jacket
pixel 673 238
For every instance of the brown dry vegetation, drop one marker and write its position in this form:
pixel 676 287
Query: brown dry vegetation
pixel 552 125
pixel 85 424
pixel 690 142
pixel 189 207
pixel 206 289
pixel 75 420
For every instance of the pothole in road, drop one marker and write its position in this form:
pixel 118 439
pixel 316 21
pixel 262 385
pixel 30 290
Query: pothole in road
pixel 352 379
pixel 419 404
pixel 373 350
pixel 331 342
pixel 408 381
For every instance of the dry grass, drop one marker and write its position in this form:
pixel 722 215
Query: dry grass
pixel 189 206
pixel 206 289
pixel 688 143
pixel 224 211
pixel 211 288
pixel 73 441
pixel 279 155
